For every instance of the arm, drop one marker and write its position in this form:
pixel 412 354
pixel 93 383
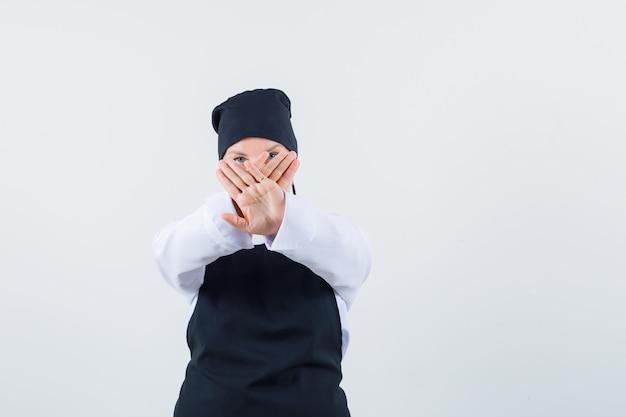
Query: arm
pixel 331 246
pixel 182 249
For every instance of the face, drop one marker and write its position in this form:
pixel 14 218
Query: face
pixel 251 148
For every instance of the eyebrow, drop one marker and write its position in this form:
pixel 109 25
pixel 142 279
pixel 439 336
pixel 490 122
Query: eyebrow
pixel 239 153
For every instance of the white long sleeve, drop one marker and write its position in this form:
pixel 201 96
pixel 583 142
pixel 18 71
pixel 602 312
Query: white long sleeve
pixel 331 246
pixel 182 249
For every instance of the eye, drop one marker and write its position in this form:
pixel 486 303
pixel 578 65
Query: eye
pixel 272 155
pixel 239 159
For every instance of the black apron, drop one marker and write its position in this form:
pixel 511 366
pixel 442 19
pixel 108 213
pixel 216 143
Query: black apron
pixel 265 341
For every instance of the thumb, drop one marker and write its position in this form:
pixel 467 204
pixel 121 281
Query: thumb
pixel 235 221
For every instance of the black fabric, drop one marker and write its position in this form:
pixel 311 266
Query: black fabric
pixel 262 113
pixel 265 341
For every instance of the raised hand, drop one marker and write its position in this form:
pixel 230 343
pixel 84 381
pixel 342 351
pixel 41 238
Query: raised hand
pixel 257 188
pixel 281 168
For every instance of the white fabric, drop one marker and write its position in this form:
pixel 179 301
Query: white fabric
pixel 331 246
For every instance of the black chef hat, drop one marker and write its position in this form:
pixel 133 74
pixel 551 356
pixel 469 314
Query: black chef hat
pixel 261 113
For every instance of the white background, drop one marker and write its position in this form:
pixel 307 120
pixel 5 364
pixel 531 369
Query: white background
pixel 481 145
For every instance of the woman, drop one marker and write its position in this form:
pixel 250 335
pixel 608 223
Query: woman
pixel 269 277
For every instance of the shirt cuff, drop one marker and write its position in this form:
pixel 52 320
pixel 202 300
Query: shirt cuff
pixel 297 227
pixel 225 235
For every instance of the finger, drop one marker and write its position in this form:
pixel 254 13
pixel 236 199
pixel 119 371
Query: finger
pixel 254 171
pixel 271 164
pixel 232 176
pixel 281 167
pixel 286 179
pixel 233 190
pixel 242 172
pixel 261 160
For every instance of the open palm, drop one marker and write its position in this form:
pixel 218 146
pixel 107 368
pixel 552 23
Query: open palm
pixel 258 191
